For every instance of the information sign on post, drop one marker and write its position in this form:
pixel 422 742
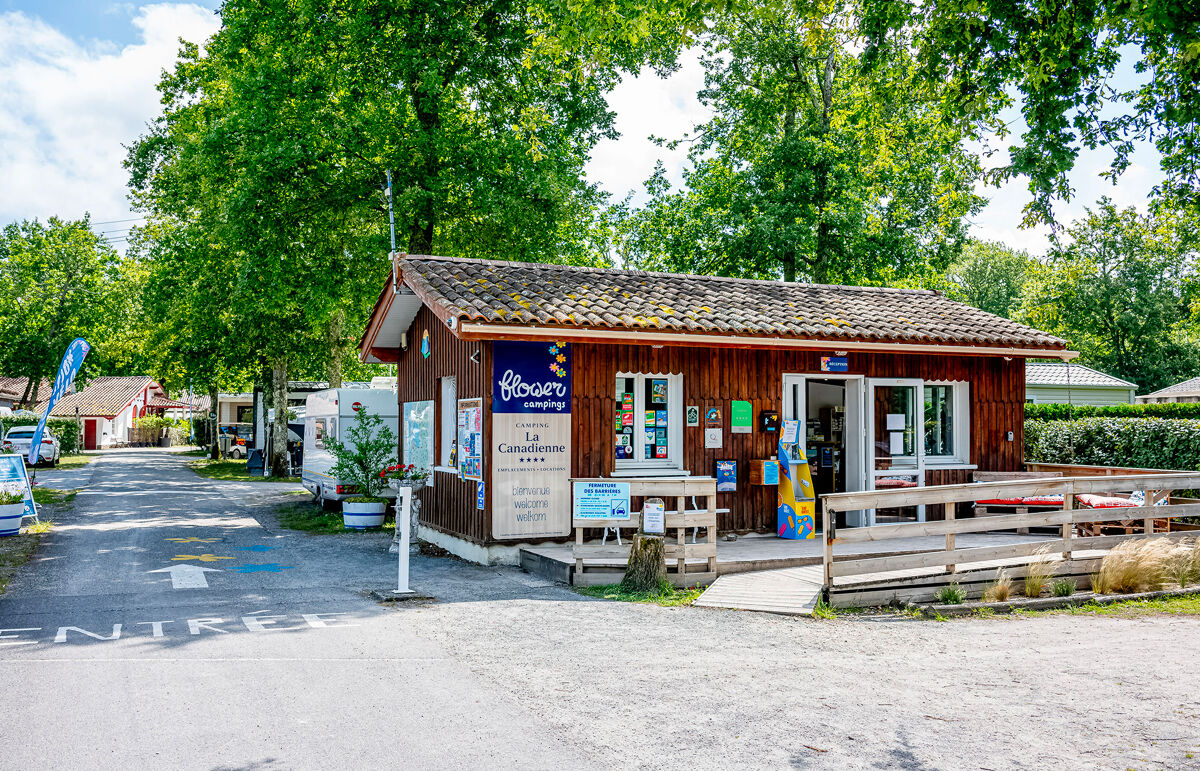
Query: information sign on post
pixel 653 517
pixel 600 500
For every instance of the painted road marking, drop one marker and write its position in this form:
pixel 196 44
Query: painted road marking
pixel 266 567
pixel 192 539
pixel 254 622
pixel 187 576
pixel 255 547
pixel 200 557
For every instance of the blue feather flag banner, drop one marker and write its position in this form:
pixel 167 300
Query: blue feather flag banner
pixel 72 360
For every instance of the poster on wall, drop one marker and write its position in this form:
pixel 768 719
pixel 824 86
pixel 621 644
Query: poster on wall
pixel 418 435
pixel 531 439
pixel 741 417
pixel 693 415
pixel 470 439
pixel 726 476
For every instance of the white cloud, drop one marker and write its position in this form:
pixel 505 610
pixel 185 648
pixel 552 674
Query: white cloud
pixel 67 109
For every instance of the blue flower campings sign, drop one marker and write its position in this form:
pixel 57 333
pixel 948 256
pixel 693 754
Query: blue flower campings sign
pixel 531 439
pixel 67 370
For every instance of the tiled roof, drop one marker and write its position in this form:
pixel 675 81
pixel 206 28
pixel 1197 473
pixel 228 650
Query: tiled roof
pixel 165 403
pixel 1188 387
pixel 104 396
pixel 1055 374
pixel 14 387
pixel 531 294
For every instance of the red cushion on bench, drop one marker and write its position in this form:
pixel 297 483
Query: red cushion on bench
pixel 882 484
pixel 1030 500
pixel 1104 501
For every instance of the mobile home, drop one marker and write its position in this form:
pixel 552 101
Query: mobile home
pixel 328 415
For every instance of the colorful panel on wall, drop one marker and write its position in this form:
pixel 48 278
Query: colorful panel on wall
pixel 741 417
pixel 470 439
pixel 531 439
pixel 726 476
pixel 418 434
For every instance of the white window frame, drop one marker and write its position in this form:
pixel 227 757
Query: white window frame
pixel 961 396
pixel 639 464
pixel 447 422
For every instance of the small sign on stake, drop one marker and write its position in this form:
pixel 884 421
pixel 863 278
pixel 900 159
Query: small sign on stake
pixel 653 517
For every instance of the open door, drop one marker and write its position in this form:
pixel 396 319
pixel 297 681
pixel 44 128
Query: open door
pixel 830 409
pixel 897 450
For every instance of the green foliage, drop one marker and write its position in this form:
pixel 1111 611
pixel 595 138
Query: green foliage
pixel 1116 292
pixel 1058 62
pixel 66 430
pixel 1190 410
pixel 665 594
pixel 1063 587
pixel 989 276
pixel 11 498
pixel 370 447
pixel 232 471
pixel 810 168
pixel 951 594
pixel 1137 442
pixel 310 518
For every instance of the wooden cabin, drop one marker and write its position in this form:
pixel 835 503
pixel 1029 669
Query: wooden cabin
pixel 514 378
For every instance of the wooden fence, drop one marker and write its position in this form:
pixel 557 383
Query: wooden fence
pixel 916 574
pixel 680 520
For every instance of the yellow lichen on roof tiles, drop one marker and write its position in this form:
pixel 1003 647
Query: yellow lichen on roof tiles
pixel 667 310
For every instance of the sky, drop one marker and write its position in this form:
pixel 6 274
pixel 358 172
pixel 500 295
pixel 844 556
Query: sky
pixel 77 85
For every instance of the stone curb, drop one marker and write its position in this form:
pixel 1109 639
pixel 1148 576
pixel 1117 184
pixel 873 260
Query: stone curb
pixel 389 595
pixel 1050 603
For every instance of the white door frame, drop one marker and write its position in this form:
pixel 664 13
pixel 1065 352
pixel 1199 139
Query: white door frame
pixel 855 456
pixel 918 470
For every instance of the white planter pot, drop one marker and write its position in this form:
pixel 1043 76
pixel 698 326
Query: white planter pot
pixel 10 518
pixel 360 516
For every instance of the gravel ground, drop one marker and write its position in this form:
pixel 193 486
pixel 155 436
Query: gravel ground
pixel 642 686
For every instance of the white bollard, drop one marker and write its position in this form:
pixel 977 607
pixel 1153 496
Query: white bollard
pixel 404 519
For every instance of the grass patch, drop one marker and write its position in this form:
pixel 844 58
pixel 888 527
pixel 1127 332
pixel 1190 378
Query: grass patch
pixel 665 595
pixel 1161 606
pixel 1000 589
pixel 75 461
pixel 232 471
pixel 15 551
pixel 201 453
pixel 48 496
pixel 951 594
pixel 310 518
pixel 1063 587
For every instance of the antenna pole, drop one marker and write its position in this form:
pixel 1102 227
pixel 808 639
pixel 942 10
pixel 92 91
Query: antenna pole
pixel 391 212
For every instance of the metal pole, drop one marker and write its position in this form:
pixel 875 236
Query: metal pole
pixel 391 212
pixel 403 511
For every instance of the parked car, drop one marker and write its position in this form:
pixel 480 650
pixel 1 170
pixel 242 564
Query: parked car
pixel 21 436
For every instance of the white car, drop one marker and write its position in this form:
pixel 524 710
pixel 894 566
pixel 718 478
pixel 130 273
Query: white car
pixel 20 437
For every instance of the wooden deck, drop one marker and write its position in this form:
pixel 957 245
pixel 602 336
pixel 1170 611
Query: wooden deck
pixel 752 553
pixel 788 591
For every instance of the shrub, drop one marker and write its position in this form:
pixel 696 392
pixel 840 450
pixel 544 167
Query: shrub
pixel 1135 566
pixel 1187 410
pixel 1141 442
pixel 370 446
pixel 70 438
pixel 950 594
pixel 1000 589
pixel 1063 587
pixel 1181 565
pixel 1038 573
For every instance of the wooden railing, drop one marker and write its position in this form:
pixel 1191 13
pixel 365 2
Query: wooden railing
pixel 948 560
pixel 1080 470
pixel 679 519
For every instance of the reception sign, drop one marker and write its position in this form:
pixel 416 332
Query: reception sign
pixel 531 439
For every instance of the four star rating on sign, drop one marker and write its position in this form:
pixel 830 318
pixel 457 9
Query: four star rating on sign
pixel 531 460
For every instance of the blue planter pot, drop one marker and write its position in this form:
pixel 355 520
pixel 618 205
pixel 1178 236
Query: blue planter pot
pixel 360 516
pixel 10 518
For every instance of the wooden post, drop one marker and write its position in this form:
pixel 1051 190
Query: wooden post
pixel 949 508
pixel 827 536
pixel 712 531
pixel 579 559
pixel 681 540
pixel 1068 528
pixel 1149 498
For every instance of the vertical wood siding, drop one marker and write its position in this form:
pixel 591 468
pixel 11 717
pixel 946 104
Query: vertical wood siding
pixel 450 504
pixel 711 378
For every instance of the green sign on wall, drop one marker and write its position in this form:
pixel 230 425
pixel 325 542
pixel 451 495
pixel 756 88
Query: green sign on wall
pixel 741 417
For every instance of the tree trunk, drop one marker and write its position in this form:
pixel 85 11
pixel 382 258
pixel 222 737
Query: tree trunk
pixel 647 568
pixel 337 347
pixel 279 375
pixel 214 447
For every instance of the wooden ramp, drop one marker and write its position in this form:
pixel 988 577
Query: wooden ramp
pixel 790 591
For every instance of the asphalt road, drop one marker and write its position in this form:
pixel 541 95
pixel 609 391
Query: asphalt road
pixel 279 661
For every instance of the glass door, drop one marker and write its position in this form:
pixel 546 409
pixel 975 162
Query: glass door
pixel 897 455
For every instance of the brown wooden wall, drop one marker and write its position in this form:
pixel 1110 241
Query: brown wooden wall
pixel 711 377
pixel 450 504
pixel 715 377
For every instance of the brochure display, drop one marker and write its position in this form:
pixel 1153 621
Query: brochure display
pixel 796 517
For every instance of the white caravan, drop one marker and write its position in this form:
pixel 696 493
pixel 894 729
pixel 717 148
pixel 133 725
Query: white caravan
pixel 328 414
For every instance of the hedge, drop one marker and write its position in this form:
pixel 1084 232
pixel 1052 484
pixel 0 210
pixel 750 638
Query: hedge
pixel 1138 442
pixel 1076 411
pixel 70 440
